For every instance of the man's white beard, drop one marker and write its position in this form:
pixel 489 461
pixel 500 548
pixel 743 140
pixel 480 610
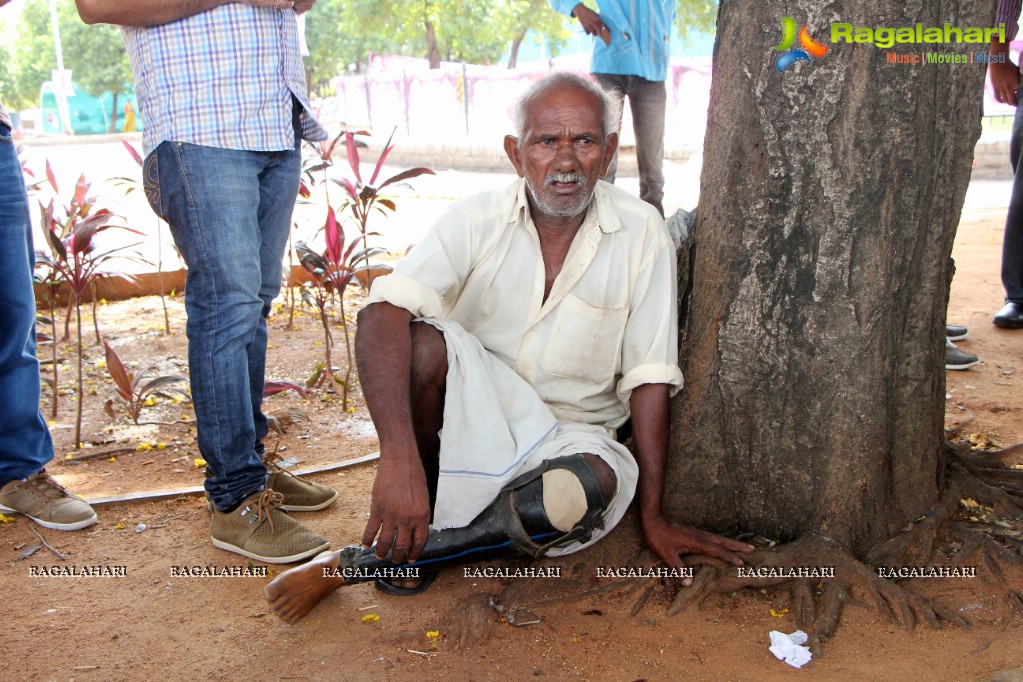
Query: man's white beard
pixel 582 200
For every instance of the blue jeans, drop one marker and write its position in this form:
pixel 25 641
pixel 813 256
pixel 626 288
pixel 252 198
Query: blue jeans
pixel 230 214
pixel 1012 242
pixel 25 445
pixel 647 100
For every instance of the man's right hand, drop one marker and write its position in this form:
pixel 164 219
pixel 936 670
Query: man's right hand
pixel 591 22
pixel 399 510
pixel 1005 79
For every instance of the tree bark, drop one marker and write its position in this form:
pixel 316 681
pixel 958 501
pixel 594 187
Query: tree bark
pixel 812 348
pixel 113 115
pixel 432 51
pixel 513 58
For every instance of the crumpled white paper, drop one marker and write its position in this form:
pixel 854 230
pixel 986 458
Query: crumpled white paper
pixel 788 648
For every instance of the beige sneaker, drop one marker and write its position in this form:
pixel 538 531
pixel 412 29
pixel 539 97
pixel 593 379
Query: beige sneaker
pixel 258 529
pixel 299 494
pixel 48 503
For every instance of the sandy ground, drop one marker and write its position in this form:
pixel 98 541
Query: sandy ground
pixel 152 624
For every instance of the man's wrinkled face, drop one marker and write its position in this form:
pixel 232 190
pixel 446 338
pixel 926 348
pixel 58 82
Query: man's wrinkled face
pixel 562 151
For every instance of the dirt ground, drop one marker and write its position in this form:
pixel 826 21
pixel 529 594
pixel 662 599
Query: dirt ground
pixel 152 624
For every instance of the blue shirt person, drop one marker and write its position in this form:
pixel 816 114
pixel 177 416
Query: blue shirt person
pixel 631 56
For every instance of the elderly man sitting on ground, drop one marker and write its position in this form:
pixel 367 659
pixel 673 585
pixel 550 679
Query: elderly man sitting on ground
pixel 501 357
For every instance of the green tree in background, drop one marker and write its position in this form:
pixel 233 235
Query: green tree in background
pixel 516 19
pixel 339 44
pixel 95 55
pixel 33 56
pixel 341 35
pixel 454 30
pixel 695 15
pixel 6 74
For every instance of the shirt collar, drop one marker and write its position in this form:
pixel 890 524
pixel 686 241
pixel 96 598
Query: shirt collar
pixel 601 209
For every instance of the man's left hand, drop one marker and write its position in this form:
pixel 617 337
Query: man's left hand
pixel 302 6
pixel 670 540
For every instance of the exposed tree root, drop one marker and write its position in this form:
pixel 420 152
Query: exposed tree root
pixel 993 468
pixel 975 525
pixel 817 602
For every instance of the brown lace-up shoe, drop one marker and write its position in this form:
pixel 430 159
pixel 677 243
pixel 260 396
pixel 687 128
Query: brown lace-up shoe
pixel 48 503
pixel 260 530
pixel 299 494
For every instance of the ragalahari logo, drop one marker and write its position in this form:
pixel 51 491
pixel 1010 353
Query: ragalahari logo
pixel 808 50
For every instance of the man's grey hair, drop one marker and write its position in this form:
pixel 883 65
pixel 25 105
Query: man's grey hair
pixel 610 100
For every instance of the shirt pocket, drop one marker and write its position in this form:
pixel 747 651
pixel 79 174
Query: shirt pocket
pixel 585 343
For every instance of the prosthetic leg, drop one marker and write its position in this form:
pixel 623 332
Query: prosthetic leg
pixel 558 503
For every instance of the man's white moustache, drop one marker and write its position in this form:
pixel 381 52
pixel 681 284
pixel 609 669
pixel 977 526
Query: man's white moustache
pixel 563 177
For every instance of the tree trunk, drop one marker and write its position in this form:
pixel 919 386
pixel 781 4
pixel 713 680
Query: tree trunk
pixel 812 349
pixel 432 51
pixel 113 115
pixel 513 58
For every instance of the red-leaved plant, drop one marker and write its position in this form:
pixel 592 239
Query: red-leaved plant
pixel 133 390
pixel 331 272
pixel 363 198
pixel 73 255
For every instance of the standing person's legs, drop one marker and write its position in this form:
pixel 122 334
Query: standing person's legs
pixel 1012 242
pixel 210 198
pixel 647 100
pixel 25 444
pixel 230 213
pixel 278 189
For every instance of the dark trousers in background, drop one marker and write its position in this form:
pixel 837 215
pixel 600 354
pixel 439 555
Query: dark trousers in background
pixel 647 102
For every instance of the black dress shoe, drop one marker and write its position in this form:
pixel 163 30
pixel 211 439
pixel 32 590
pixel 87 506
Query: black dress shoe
pixel 1010 316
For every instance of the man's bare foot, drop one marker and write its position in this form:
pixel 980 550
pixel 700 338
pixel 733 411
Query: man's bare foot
pixel 298 590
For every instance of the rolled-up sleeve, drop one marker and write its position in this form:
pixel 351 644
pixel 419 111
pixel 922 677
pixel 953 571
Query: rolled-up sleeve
pixel 650 345
pixel 429 279
pixel 1007 12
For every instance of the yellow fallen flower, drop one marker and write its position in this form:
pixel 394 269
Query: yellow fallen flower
pixel 143 447
pixel 4 520
pixel 199 462
pixel 370 618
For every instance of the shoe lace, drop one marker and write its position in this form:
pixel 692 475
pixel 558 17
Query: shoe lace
pixel 273 462
pixel 48 485
pixel 267 501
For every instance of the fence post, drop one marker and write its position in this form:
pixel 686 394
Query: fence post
pixel 465 97
pixel 369 101
pixel 404 92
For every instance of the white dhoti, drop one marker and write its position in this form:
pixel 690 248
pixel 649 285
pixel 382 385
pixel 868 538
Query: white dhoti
pixel 496 427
